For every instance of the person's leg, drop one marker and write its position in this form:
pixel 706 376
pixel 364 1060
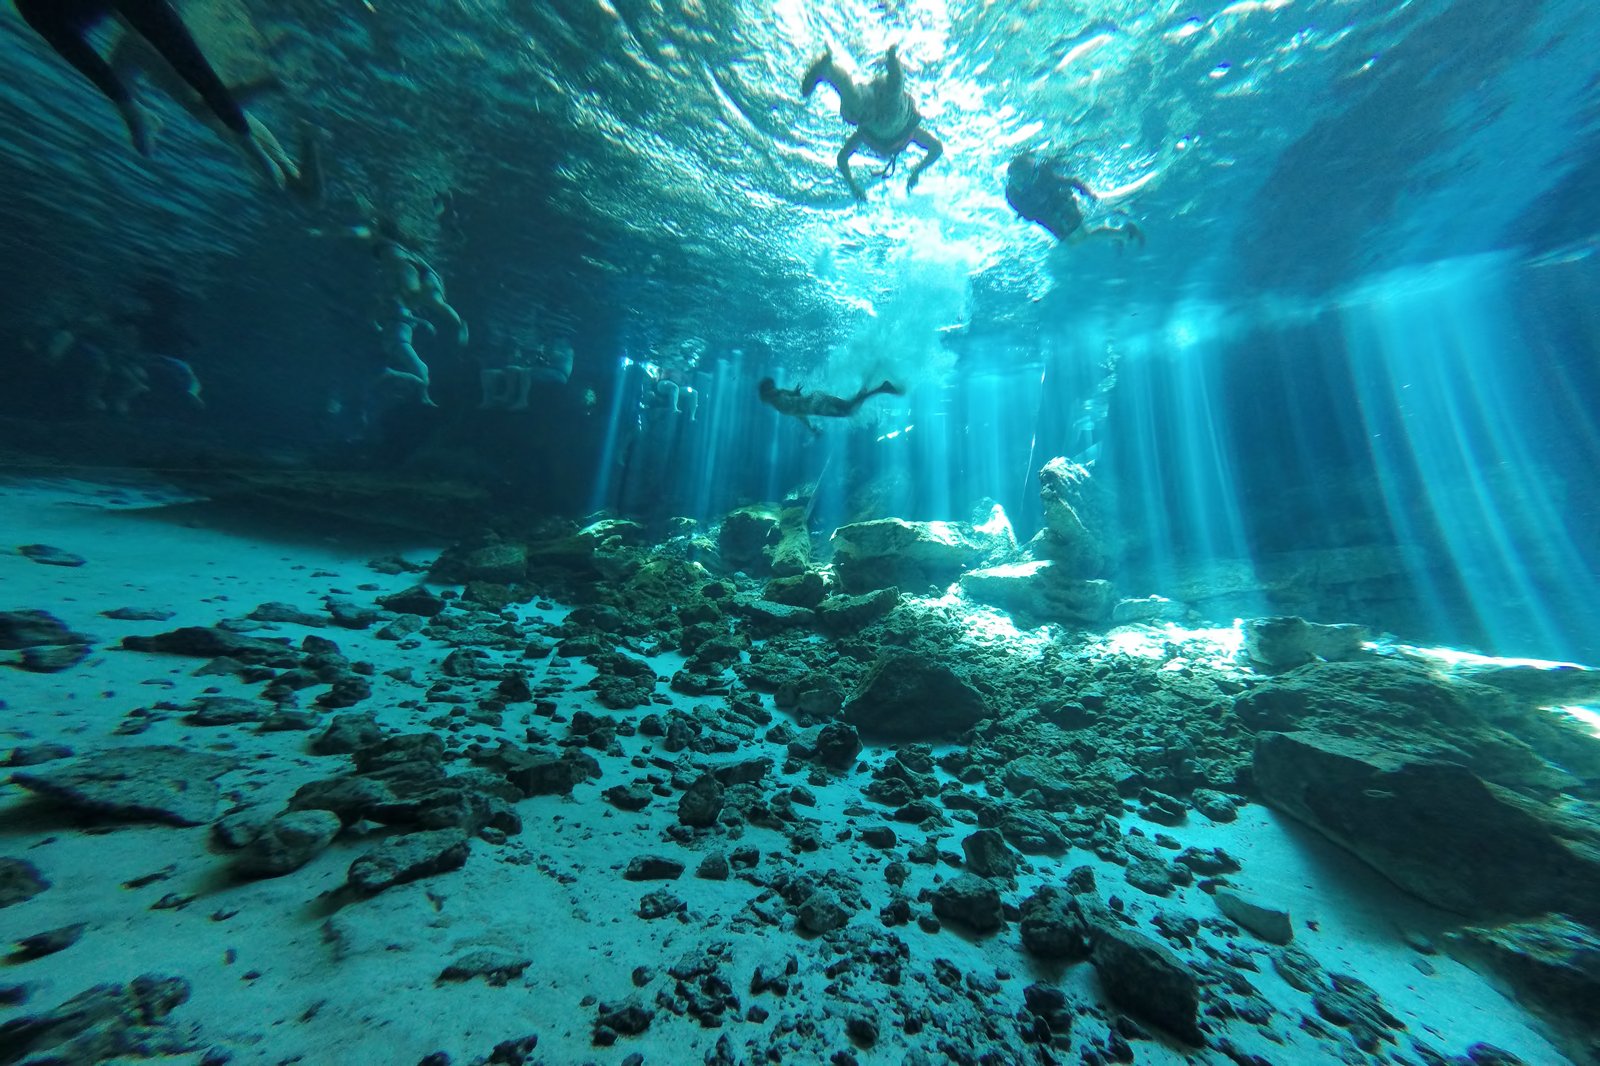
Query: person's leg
pixel 410 363
pixel 64 28
pixel 157 23
pixel 523 376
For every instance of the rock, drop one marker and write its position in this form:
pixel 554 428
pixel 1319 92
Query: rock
pixel 348 733
pixel 837 746
pixel 988 857
pixel 891 551
pixel 906 696
pixel 1040 591
pixel 765 617
pixel 822 912
pixel 634 797
pixel 653 868
pixel 39 945
pixel 1146 979
pixel 225 710
pixel 105 1022
pixel 211 642
pixel 347 615
pixel 1146 610
pixel 744 536
pixel 497 564
pixel 1217 806
pixel 1432 827
pixel 701 803
pixel 409 857
pixel 497 968
pixel 139 614
pixel 1053 927
pixel 791 554
pixel 971 902
pixel 543 773
pixel 53 659
pixel 20 880
pixel 34 629
pixel 287 843
pixel 799 590
pixel 1285 642
pixel 50 556
pixel 846 614
pixel 1552 964
pixel 1270 923
pixel 400 627
pixel 34 754
pixel 161 784
pixel 417 600
pixel 279 613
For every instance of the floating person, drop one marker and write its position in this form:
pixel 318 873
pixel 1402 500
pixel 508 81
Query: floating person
pixel 508 386
pixel 65 26
pixel 409 276
pixel 797 404
pixel 885 118
pixel 405 371
pixel 133 54
pixel 1043 189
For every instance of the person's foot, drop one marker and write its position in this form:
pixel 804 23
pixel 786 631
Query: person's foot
pixel 138 128
pixel 264 164
pixel 814 73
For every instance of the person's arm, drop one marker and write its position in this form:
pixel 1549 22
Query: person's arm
pixel 894 73
pixel 932 148
pixel 851 144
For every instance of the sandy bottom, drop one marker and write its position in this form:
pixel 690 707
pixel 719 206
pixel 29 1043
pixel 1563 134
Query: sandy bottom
pixel 281 974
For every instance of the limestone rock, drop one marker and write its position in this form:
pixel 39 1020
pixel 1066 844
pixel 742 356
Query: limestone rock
pixel 1433 827
pixel 1551 963
pixel 409 857
pixel 211 642
pixel 1266 921
pixel 1041 591
pixel 102 1023
pixel 906 696
pixel 892 551
pixel 1286 642
pixel 1074 530
pixel 20 880
pixel 845 614
pixel 32 629
pixel 1146 979
pixel 158 783
pixel 971 902
pixel 287 843
pixel 744 536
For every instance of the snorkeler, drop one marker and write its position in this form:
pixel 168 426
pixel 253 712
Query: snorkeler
pixel 65 25
pixel 1042 189
pixel 885 118
pixel 797 404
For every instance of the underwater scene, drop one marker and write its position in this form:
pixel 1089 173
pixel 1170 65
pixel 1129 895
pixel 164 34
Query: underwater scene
pixel 741 532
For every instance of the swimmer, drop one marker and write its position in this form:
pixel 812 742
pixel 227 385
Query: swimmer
pixel 1041 189
pixel 885 118
pixel 65 26
pixel 405 365
pixel 797 404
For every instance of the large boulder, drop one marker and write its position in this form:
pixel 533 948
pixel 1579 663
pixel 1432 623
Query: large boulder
pixel 160 783
pixel 1433 827
pixel 1552 964
pixel 1041 591
pixel 1145 978
pixel 910 697
pixel 791 554
pixel 744 536
pixel 1074 534
pixel 1287 641
pixel 893 552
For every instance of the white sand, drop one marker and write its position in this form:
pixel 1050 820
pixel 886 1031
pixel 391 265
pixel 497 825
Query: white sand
pixel 288 979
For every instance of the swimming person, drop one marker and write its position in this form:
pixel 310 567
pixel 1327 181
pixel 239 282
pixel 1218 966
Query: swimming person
pixel 65 26
pixel 1043 189
pixel 798 404
pixel 885 118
